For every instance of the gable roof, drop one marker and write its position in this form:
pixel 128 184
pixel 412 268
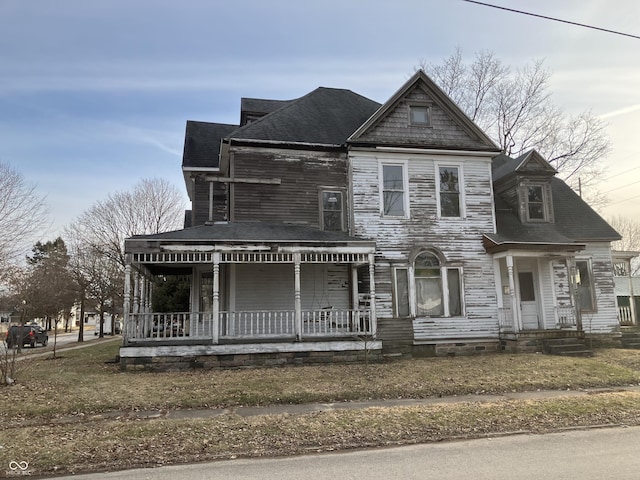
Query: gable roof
pixel 450 127
pixel 325 116
pixel 528 162
pixel 202 143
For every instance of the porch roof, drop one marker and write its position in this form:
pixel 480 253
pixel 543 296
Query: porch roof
pixel 238 233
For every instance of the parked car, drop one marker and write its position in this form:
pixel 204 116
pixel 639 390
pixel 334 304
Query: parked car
pixel 30 335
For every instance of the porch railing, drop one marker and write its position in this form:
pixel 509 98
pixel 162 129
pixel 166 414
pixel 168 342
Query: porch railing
pixel 248 325
pixel 624 316
pixel 506 320
pixel 566 316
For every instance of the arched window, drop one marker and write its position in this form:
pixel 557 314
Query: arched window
pixel 428 282
pixel 434 290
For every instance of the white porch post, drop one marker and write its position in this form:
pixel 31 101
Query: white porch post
pixel 298 301
pixel 127 300
pixel 372 293
pixel 136 293
pixel 517 319
pixel 215 321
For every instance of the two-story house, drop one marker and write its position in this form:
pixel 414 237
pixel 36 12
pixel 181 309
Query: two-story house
pixel 333 228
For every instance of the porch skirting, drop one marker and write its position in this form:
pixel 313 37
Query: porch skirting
pixel 187 357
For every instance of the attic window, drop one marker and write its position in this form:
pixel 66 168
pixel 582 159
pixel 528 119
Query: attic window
pixel 420 115
pixel 536 200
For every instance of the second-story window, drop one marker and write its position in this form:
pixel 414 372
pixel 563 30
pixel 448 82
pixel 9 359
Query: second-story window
pixel 449 191
pixel 332 206
pixel 394 190
pixel 535 202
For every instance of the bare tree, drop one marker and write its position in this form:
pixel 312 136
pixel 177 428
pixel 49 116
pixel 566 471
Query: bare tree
pixel 153 206
pixel 630 232
pixel 23 215
pixel 514 108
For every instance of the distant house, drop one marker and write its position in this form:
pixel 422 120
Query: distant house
pixel 331 227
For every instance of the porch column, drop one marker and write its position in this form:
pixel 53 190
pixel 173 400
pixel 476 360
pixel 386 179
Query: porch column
pixel 632 300
pixel 297 298
pixel 127 301
pixel 215 307
pixel 517 326
pixel 136 293
pixel 372 293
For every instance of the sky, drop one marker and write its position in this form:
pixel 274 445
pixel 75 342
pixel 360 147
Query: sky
pixel 95 95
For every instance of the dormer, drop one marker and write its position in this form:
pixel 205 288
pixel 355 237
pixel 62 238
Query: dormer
pixel 524 183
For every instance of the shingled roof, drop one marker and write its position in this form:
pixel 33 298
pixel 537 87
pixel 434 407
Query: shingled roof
pixel 575 222
pixel 325 116
pixel 202 143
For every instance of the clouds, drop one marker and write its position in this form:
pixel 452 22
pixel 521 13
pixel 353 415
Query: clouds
pixel 95 95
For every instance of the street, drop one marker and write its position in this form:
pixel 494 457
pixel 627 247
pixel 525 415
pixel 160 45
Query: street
pixel 583 454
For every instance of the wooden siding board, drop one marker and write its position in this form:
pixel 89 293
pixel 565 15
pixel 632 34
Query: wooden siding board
pixel 296 198
pixel 605 318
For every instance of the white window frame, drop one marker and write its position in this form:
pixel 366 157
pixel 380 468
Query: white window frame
pixel 462 198
pixel 592 286
pixel 405 186
pixel 412 295
pixel 546 205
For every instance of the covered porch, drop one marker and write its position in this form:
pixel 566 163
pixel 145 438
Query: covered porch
pixel 252 288
pixel 539 290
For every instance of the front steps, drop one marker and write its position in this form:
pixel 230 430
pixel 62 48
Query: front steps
pixel 569 346
pixel 630 337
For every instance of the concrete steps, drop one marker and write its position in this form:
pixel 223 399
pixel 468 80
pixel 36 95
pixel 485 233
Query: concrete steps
pixel 571 347
pixel 630 338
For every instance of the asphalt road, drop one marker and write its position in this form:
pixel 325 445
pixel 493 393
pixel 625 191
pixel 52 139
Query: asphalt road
pixel 584 454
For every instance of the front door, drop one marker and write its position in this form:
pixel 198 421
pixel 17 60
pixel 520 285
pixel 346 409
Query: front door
pixel 528 301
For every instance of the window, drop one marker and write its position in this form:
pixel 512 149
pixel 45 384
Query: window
pixel 449 191
pixel 437 288
pixel 535 202
pixel 332 208
pixel 393 190
pixel 420 115
pixel 401 276
pixel 584 290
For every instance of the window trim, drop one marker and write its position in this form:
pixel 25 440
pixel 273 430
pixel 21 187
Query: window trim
pixel 461 193
pixel 410 120
pixel 405 186
pixel 547 208
pixel 592 286
pixel 321 192
pixel 444 268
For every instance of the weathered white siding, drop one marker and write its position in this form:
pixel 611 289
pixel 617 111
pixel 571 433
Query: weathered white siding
pixel 459 239
pixel 605 318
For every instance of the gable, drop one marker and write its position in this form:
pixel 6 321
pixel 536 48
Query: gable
pixel 532 163
pixel 447 126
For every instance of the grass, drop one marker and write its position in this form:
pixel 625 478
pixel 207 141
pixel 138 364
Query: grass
pixel 62 396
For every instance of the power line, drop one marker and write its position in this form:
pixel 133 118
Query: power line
pixel 554 19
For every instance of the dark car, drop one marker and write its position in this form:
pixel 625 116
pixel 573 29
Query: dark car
pixel 30 335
